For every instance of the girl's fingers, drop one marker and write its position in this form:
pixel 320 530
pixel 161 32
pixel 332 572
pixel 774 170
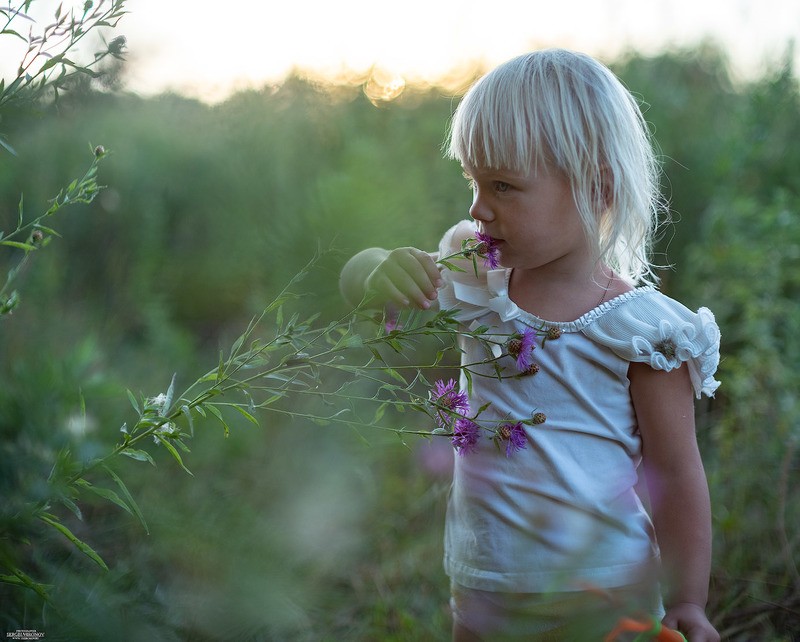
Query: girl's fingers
pixel 406 276
pixel 432 270
pixel 421 268
pixel 396 285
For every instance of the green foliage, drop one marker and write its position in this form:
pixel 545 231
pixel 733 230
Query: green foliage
pixel 752 446
pixel 32 235
pixel 292 531
pixel 746 266
pixel 45 67
pixel 323 373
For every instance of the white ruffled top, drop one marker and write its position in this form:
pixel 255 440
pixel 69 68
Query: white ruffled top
pixel 641 325
pixel 562 512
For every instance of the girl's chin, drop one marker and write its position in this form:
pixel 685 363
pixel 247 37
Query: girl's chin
pixel 504 254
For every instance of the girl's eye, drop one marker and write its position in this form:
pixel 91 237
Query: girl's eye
pixel 500 186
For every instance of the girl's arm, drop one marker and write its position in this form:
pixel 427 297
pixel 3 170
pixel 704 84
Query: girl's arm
pixel 403 276
pixel 678 489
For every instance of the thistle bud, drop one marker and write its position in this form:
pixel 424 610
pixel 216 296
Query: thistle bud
pixel 481 248
pixel 667 347
pixel 36 236
pixel 530 370
pixel 539 418
pixel 553 333
pixel 514 347
pixel 99 151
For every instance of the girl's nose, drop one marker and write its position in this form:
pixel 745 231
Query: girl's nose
pixel 478 210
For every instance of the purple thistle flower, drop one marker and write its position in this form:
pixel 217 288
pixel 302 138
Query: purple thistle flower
pixel 514 435
pixel 466 434
pixel 487 248
pixel 449 400
pixel 520 346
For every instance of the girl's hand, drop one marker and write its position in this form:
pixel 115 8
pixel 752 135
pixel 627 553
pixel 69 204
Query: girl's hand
pixel 690 619
pixel 404 277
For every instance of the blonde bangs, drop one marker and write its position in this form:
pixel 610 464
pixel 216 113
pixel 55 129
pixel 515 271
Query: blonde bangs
pixel 490 128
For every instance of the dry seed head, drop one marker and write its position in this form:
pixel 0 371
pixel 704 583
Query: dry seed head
pixel 531 370
pixel 666 347
pixel 553 333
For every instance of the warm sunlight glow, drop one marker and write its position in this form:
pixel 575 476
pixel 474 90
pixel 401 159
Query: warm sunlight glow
pixel 208 49
pixel 383 87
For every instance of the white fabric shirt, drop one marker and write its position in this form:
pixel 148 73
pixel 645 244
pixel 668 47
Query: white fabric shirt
pixel 562 513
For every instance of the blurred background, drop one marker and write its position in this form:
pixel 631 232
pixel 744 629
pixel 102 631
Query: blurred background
pixel 243 138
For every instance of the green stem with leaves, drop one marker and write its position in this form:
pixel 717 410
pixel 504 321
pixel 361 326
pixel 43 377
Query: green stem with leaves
pixel 33 235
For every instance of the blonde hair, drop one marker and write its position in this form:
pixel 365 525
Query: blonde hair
pixel 569 111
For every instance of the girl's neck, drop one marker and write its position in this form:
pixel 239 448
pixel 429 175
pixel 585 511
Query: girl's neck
pixel 564 296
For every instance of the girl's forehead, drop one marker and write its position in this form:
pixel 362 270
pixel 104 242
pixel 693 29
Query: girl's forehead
pixel 539 168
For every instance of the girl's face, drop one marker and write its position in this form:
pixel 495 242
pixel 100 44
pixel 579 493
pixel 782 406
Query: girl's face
pixel 532 217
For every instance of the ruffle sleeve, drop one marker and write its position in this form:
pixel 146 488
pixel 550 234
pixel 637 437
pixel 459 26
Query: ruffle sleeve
pixel 662 332
pixel 473 292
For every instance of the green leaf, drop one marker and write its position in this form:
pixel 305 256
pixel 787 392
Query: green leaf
pixel 72 506
pixel 395 375
pixel 83 547
pixel 52 62
pixel 181 445
pixel 483 408
pixel 271 400
pixel 247 415
pixel 380 412
pixel 105 493
pixel 139 455
pixel 12 579
pixel 215 411
pixel 48 230
pixel 170 393
pixel 21 246
pixel 395 345
pixel 134 403
pixel 452 266
pixel 351 341
pixel 279 301
pixel 131 501
pixel 21 579
pixel 237 346
pixel 11 32
pixel 165 442
pixel 220 367
pixel 188 413
pixel 7 147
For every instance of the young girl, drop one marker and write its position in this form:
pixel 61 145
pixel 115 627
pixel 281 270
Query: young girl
pixel 548 540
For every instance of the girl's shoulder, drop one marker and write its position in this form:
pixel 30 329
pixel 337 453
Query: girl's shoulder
pixel 647 326
pixel 455 236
